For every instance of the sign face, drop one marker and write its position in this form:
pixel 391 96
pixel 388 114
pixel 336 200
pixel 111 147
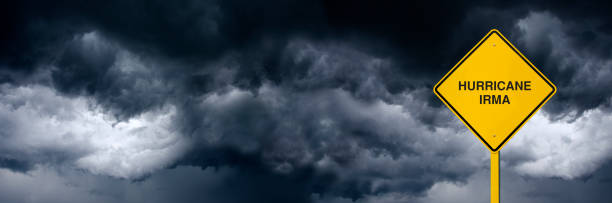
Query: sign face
pixel 494 90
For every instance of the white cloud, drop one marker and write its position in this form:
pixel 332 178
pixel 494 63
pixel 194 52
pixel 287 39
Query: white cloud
pixel 563 149
pixel 42 126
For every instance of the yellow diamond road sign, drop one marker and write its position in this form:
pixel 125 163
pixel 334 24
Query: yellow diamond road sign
pixel 494 90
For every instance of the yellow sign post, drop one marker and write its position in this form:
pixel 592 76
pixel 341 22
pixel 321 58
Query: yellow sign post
pixel 494 90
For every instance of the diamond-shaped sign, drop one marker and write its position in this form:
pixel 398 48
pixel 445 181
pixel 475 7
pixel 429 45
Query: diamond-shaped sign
pixel 494 90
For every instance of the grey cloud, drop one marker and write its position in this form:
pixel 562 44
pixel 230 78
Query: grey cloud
pixel 287 101
pixel 307 127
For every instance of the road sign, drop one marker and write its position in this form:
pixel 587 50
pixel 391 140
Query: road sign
pixel 494 90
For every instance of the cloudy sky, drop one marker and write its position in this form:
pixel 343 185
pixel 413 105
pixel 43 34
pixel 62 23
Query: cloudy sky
pixel 290 101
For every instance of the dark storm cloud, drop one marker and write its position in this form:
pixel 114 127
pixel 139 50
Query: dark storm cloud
pixel 15 164
pixel 300 97
pixel 198 32
pixel 573 55
pixel 201 31
pixel 120 82
pixel 285 133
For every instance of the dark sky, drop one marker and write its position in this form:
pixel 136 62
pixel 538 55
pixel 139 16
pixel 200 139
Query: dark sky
pixel 290 101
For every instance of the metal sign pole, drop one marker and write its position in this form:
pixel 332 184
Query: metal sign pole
pixel 495 177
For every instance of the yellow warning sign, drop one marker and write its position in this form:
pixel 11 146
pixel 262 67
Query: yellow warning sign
pixel 494 90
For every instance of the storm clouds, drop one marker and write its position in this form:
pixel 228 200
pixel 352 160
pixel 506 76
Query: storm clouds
pixel 289 101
